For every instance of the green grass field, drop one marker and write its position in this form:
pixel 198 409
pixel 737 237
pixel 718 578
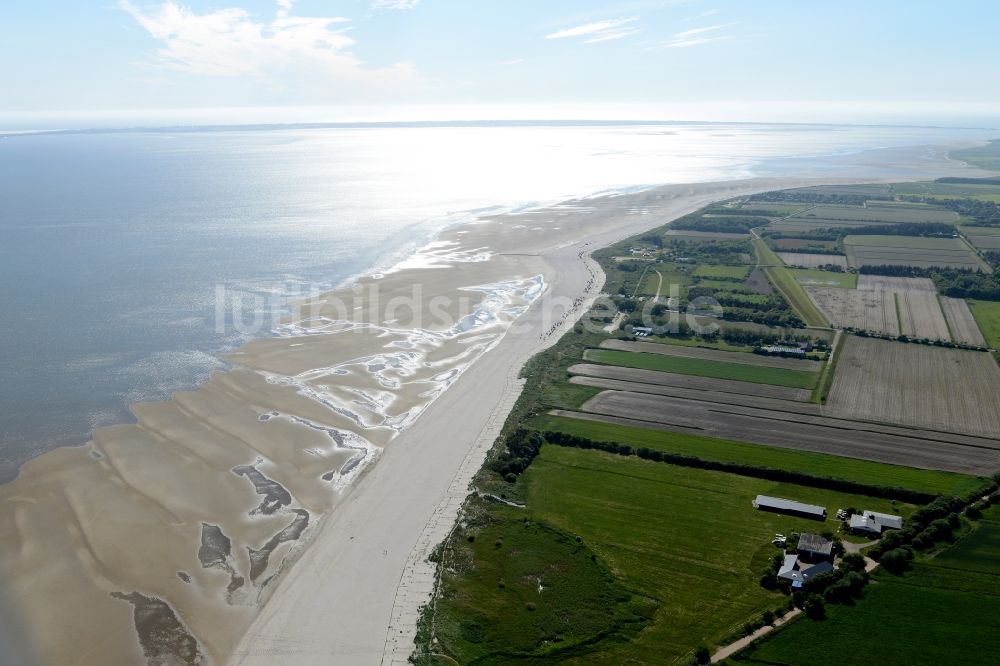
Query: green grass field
pixel 701 561
pixel 722 271
pixel 697 342
pixel 815 278
pixel 987 314
pixel 708 448
pixel 945 611
pixel 703 368
pixel 670 274
pixel 721 285
pixel 685 548
pixel 785 283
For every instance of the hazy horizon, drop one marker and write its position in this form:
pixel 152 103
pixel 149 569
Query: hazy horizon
pixel 167 62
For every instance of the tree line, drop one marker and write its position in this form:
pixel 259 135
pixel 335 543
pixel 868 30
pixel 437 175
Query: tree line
pixel 755 471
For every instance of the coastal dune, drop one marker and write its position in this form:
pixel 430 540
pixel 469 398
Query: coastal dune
pixel 354 431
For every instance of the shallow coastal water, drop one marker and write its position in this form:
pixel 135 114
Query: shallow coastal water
pixel 119 247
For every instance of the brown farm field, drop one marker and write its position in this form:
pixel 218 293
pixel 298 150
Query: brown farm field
pixel 917 385
pixel 863 309
pixel 920 315
pixel 983 238
pixel 789 425
pixel 961 323
pixel 912 251
pixel 811 260
pixel 896 283
pixel 791 244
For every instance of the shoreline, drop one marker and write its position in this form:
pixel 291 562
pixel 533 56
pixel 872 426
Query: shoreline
pixel 392 598
pixel 292 412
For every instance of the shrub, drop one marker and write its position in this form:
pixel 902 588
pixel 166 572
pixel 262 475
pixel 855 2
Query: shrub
pixel 853 562
pixel 813 607
pixel 896 561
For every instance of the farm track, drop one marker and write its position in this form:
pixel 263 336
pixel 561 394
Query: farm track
pixel 690 381
pixel 742 358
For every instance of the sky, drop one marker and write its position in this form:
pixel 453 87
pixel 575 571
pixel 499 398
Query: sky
pixel 328 60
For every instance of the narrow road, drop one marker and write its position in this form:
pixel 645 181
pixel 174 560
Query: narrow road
pixel 733 648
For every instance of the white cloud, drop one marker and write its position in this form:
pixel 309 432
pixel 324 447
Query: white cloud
pixel 307 51
pixel 394 4
pixel 610 35
pixel 685 34
pixel 516 61
pixel 685 43
pixel 597 29
pixel 710 12
pixel 688 38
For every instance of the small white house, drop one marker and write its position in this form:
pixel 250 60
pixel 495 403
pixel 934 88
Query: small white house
pixel 874 522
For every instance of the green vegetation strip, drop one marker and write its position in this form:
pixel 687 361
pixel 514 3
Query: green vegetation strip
pixel 755 471
pixel 987 315
pixel 817 464
pixel 822 391
pixel 789 287
pixel 703 368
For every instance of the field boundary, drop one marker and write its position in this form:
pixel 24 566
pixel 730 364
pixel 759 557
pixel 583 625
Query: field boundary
pixel 786 284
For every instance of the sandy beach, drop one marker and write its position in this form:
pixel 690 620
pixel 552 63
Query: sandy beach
pixel 283 512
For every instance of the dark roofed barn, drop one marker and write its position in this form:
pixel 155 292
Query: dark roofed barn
pixel 814 548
